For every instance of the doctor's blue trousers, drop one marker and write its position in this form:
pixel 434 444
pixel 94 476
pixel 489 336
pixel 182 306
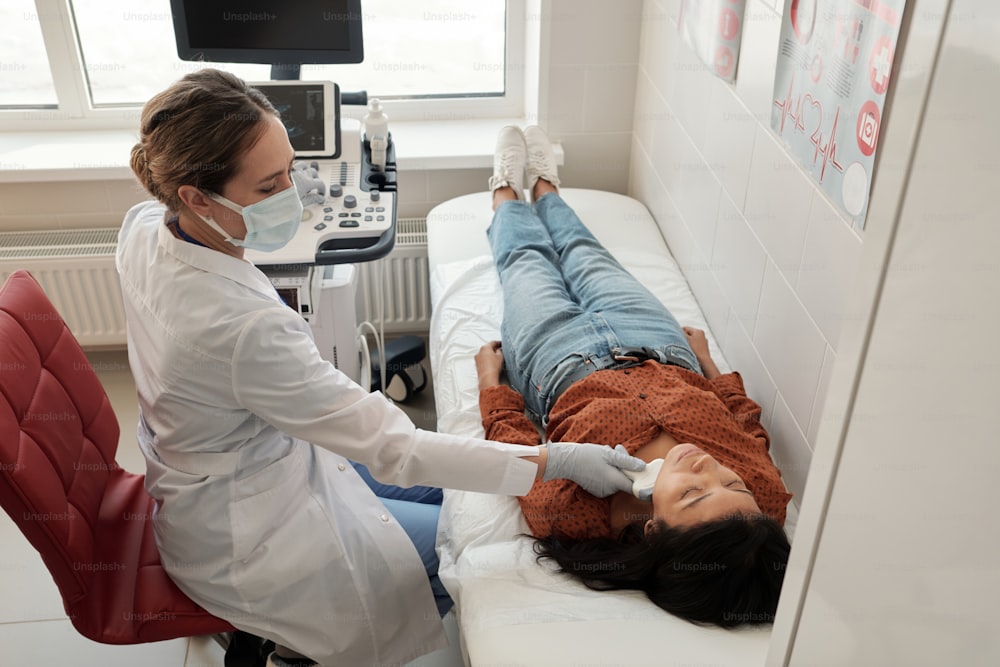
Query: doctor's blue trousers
pixel 416 509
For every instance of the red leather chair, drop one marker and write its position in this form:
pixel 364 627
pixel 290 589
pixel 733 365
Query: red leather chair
pixel 88 518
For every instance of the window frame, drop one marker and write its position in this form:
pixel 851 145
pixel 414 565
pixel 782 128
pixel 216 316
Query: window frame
pixel 75 111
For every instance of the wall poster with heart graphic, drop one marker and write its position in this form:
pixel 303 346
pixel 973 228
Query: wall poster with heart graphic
pixel 834 64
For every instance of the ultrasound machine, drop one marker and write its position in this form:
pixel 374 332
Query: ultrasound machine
pixel 315 274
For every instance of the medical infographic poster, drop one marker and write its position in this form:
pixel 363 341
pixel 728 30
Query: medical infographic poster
pixel 834 62
pixel 712 29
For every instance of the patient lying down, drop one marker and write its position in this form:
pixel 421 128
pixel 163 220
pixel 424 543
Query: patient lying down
pixel 597 358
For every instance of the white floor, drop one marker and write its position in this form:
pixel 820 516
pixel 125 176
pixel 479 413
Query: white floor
pixel 34 629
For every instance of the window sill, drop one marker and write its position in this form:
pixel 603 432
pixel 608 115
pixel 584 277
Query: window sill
pixel 33 157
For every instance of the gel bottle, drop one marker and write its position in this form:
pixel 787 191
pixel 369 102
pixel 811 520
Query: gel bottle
pixel 377 133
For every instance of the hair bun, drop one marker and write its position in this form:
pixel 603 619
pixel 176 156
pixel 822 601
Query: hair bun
pixel 140 167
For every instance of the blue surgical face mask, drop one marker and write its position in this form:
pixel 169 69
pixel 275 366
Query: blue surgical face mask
pixel 271 223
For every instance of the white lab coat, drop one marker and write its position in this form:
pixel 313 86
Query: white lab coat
pixel 245 430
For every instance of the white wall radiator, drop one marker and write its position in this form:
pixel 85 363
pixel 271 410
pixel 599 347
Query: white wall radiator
pixel 76 268
pixel 406 302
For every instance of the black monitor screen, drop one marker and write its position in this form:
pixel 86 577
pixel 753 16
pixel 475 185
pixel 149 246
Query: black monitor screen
pixel 269 31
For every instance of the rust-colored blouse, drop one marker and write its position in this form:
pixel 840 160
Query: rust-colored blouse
pixel 631 406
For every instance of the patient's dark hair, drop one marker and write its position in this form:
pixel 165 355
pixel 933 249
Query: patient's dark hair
pixel 727 572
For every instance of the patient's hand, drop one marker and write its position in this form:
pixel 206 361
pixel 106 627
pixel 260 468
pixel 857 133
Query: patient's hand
pixel 699 345
pixel 489 364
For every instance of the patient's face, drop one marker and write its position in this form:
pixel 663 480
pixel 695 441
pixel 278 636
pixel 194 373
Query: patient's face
pixel 693 487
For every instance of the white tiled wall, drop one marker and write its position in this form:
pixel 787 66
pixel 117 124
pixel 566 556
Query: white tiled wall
pixel 769 259
pixel 589 86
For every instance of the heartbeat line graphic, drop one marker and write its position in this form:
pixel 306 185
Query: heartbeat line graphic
pixel 786 105
pixel 828 150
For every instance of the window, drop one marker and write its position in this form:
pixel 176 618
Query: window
pixel 25 77
pixel 142 60
pixel 109 56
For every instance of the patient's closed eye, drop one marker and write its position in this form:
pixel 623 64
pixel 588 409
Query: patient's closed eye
pixel 740 486
pixel 693 488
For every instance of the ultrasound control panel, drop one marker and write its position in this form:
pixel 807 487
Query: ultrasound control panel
pixel 357 221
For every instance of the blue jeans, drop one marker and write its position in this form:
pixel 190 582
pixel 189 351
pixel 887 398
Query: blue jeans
pixel 567 302
pixel 416 509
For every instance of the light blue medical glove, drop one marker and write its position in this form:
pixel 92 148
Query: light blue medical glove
pixel 596 468
pixel 311 188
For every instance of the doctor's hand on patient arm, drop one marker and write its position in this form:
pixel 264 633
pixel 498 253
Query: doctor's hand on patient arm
pixel 699 345
pixel 489 364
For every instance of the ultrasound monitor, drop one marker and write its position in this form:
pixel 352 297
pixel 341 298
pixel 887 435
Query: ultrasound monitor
pixel 310 112
pixel 269 32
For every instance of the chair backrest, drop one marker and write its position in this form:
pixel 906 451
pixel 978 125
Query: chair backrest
pixel 60 484
pixel 56 423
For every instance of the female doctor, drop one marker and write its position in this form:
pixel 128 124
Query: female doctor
pixel 248 434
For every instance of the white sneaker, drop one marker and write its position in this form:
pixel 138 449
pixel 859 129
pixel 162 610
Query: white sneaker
pixel 541 162
pixel 508 161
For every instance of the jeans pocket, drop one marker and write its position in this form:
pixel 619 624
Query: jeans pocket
pixel 571 368
pixel 682 356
